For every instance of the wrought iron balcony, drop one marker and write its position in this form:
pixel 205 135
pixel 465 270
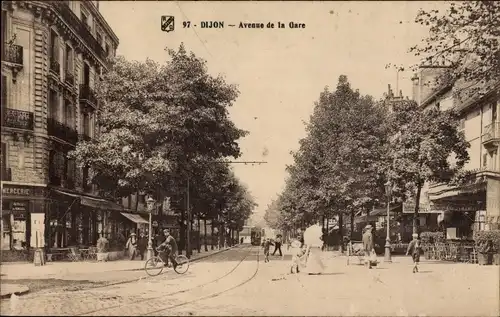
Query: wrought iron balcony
pixel 6 174
pixel 69 78
pixel 81 28
pixel 87 94
pixel 12 53
pixel 61 131
pixel 18 119
pixel 55 66
pixel 491 133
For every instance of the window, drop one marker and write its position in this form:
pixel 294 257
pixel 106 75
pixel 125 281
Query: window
pixel 85 177
pixel 4 94
pixel 108 51
pixel 68 62
pixel 4 32
pixel 86 124
pixel 485 160
pixel 53 104
pixel 68 114
pixel 99 38
pixel 4 162
pixel 54 44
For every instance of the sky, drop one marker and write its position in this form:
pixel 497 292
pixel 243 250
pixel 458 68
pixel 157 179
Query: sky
pixel 280 72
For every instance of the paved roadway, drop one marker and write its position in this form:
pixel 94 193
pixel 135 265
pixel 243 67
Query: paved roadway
pixel 238 282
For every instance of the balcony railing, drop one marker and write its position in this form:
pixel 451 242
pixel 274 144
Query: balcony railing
pixel 69 78
pixel 88 94
pixel 55 66
pixel 80 27
pixel 12 53
pixel 61 131
pixel 17 119
pixel 491 132
pixel 6 174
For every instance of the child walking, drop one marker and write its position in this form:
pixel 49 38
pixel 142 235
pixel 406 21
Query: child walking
pixel 267 245
pixel 414 248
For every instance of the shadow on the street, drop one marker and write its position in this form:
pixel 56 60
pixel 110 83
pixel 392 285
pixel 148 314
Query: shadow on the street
pixel 331 273
pixel 424 272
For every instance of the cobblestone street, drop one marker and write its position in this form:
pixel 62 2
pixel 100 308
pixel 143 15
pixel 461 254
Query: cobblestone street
pixel 238 282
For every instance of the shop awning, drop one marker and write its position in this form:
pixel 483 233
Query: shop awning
pixel 135 218
pixel 92 202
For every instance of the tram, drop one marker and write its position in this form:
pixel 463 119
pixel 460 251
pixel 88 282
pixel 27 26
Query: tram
pixel 256 236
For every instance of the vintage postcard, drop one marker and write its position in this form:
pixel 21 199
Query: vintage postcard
pixel 250 158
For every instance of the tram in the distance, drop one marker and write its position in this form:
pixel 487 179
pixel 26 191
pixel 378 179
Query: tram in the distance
pixel 256 236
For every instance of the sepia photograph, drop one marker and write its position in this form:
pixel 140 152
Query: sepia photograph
pixel 250 158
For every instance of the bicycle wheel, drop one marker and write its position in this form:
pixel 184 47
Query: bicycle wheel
pixel 154 266
pixel 182 264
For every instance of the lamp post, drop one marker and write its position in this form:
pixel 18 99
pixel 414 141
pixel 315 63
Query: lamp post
pixel 388 193
pixel 150 202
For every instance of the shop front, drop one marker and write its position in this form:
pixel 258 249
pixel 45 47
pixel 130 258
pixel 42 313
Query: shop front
pixel 19 203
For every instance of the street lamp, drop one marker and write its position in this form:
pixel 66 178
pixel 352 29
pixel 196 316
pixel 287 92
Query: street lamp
pixel 150 202
pixel 388 193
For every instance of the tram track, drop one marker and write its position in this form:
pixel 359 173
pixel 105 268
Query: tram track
pixel 163 296
pixel 106 285
pixel 213 295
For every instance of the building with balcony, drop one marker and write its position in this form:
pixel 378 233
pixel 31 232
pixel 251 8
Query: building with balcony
pixel 475 205
pixel 53 54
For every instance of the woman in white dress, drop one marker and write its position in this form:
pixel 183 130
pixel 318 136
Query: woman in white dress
pixel 314 265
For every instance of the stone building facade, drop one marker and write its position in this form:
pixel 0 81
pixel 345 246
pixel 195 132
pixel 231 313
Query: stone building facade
pixel 475 205
pixel 53 53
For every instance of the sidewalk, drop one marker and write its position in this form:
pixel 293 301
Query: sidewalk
pixel 67 269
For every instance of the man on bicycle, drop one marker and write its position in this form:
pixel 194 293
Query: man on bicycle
pixel 169 248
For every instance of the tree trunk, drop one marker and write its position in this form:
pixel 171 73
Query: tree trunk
pixel 212 234
pixel 182 234
pixel 417 207
pixel 341 232
pixel 199 235
pixel 352 223
pixel 205 233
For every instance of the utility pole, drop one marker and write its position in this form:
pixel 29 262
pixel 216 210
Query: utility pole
pixel 188 210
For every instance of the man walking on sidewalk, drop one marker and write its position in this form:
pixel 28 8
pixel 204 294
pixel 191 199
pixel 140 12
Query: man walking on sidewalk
pixel 368 244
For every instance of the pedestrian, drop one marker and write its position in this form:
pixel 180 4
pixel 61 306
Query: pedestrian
pixel 298 255
pixel 131 245
pixel 368 245
pixel 241 241
pixel 277 245
pixel 414 249
pixel 158 240
pixel 267 244
pixel 142 245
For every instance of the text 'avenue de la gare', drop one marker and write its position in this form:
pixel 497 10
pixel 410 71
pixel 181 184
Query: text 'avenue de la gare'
pixel 249 25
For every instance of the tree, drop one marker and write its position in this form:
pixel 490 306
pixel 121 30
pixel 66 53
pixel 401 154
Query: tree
pixel 339 165
pixel 426 147
pixel 466 38
pixel 155 121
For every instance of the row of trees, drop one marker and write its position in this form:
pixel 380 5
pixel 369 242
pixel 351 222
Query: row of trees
pixel 355 145
pixel 164 131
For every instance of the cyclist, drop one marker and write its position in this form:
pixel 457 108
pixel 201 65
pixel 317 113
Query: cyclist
pixel 169 248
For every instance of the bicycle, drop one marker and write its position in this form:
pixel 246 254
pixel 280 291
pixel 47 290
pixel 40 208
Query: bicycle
pixel 155 265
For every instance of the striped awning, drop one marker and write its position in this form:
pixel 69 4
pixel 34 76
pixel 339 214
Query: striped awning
pixel 134 218
pixel 92 202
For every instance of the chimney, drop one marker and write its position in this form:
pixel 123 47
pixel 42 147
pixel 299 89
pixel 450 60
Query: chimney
pixel 401 93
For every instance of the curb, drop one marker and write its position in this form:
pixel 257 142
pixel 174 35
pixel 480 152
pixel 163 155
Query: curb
pixel 18 293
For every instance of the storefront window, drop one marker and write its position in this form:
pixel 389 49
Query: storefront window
pixel 6 232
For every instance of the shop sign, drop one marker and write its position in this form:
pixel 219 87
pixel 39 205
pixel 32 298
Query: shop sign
pixel 462 208
pixel 23 191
